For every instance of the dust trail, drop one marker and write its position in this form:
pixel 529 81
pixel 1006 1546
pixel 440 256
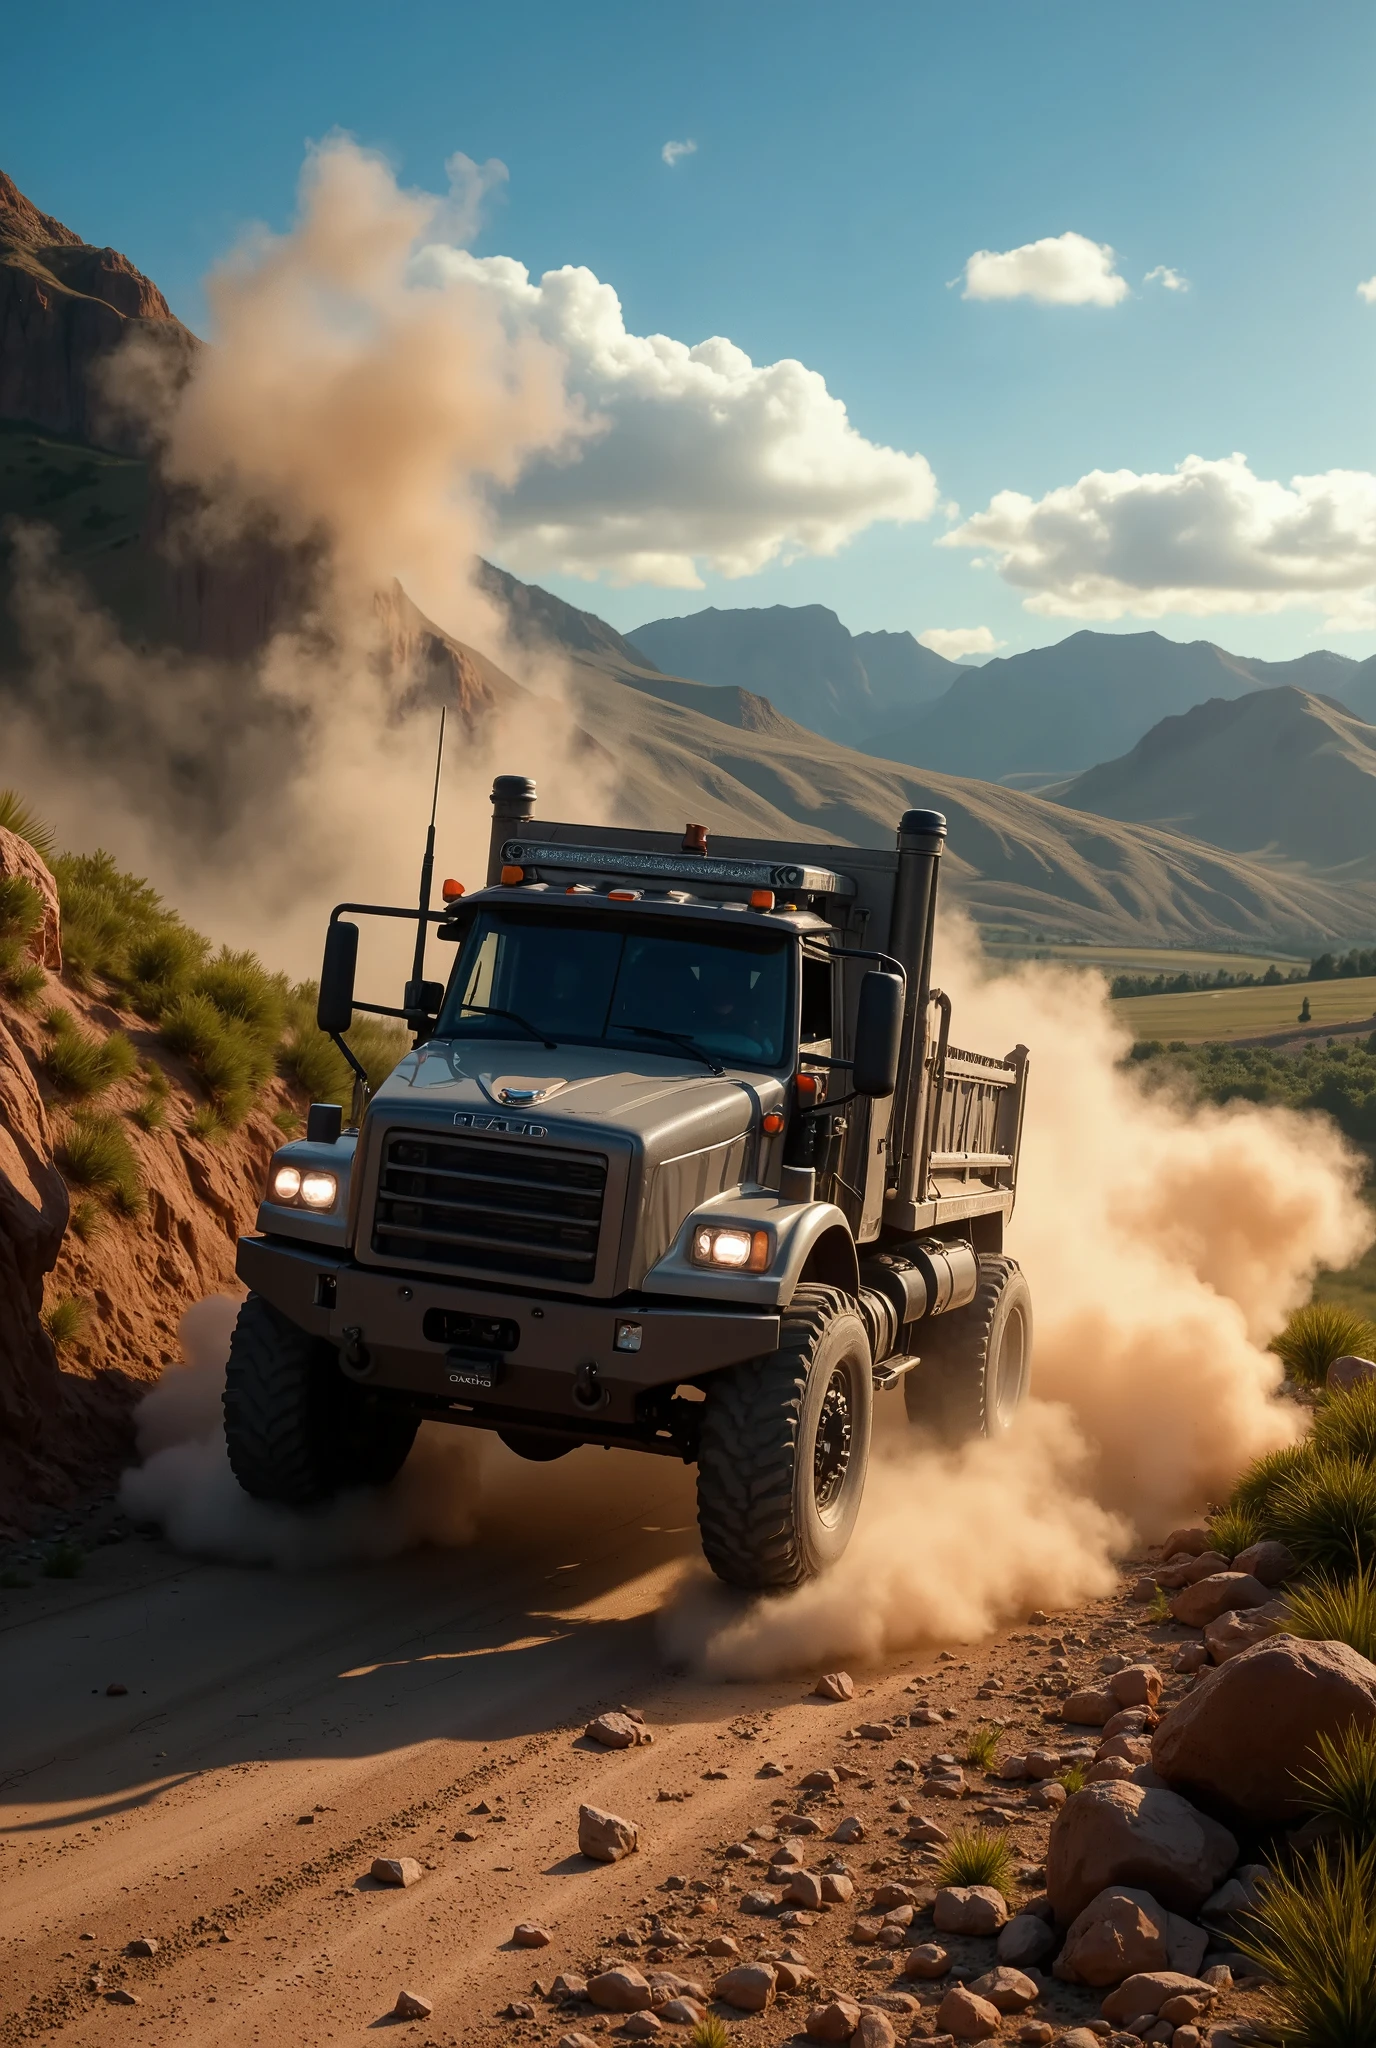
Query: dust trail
pixel 1164 1242
pixel 324 467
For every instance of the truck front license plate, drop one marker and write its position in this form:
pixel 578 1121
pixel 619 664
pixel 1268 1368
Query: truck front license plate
pixel 472 1369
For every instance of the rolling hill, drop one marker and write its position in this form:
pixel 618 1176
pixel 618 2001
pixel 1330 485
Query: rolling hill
pixel 1281 773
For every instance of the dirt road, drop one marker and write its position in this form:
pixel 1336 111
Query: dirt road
pixel 280 1730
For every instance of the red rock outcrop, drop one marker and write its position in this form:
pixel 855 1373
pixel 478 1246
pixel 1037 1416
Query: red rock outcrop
pixel 63 307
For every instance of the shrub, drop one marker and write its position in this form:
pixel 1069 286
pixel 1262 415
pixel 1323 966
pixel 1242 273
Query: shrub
pixel 1327 1514
pixel 67 1319
pixel 1159 1607
pixel 314 1063
pixel 21 909
pixel 1333 1610
pixel 977 1856
pixel 104 914
pixel 287 1121
pixel 161 963
pixel 1314 1934
pixel 1341 1787
pixel 87 1219
pixel 230 1060
pixel 240 987
pixel 151 1113
pixel 1346 1425
pixel 982 1748
pixel 16 817
pixel 78 1065
pixel 1235 1529
pixel 66 1560
pixel 1259 1484
pixel 94 1152
pixel 1317 1334
pixel 710 2032
pixel 207 1123
pixel 24 984
pixel 1073 1780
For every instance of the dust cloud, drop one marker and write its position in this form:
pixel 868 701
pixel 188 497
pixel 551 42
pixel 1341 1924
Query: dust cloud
pixel 323 470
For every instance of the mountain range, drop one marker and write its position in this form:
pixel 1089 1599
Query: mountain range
pixel 735 748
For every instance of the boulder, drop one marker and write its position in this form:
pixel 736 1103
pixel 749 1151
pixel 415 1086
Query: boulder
pixel 834 1685
pixel 823 1780
pixel 605 1837
pixel 1127 1721
pixel 398 1870
pixel 617 1731
pixel 966 2017
pixel 642 2026
pixel 1134 1835
pixel 1237 1898
pixel 1348 1372
pixel 749 1988
pixel 804 1889
pixel 1186 1570
pixel 1207 1598
pixel 528 1935
pixel 970 1909
pixel 412 2005
pixel 1090 1707
pixel 622 1990
pixel 1149 1991
pixel 920 1829
pixel 874 2029
pixel 1269 1561
pixel 1233 1632
pixel 851 1829
pixel 1026 1942
pixel 837 1888
pixel 1193 1540
pixel 929 1960
pixel 834 2021
pixel 1234 1743
pixel 1123 1932
pixel 1007 1989
pixel 1136 1685
pixel 1133 1749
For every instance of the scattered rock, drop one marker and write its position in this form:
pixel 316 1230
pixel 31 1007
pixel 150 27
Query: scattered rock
pixel 568 1988
pixel 873 2029
pixel 683 2012
pixel 1132 1834
pixel 1236 1898
pixel 1269 1561
pixel 875 1731
pixel 1191 1657
pixel 398 1870
pixel 920 1829
pixel 605 1837
pixel 1148 1992
pixel 641 2026
pixel 821 1781
pixel 1007 1989
pixel 1232 1633
pixel 969 1909
pixel 617 1731
pixel 1190 1570
pixel 834 2021
pixel 1079 2037
pixel 115 1691
pixel 799 1824
pixel 411 2005
pixel 967 2017
pixel 1348 1372
pixel 1127 1721
pixel 851 1829
pixel 1089 1708
pixel 622 1990
pixel 1026 1942
pixel 1136 1685
pixel 1132 1749
pixel 928 1960
pixel 1143 1591
pixel 837 1888
pixel 122 1997
pixel 834 1685
pixel 1234 1742
pixel 142 1945
pixel 528 1935
pixel 805 1889
pixel 791 1977
pixel 520 2009
pixel 1035 2033
pixel 575 2041
pixel 1048 1793
pixel 1124 1932
pixel 1011 1768
pixel 1208 1598
pixel 1194 1540
pixel 722 1945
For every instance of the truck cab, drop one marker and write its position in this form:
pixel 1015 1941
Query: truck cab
pixel 682 1160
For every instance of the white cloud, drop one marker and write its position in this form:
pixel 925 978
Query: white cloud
pixel 1060 270
pixel 1209 537
pixel 1170 280
pixel 672 151
pixel 954 641
pixel 1367 291
pixel 695 456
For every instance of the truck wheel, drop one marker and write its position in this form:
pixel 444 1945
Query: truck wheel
pixel 785 1443
pixel 977 1361
pixel 296 1430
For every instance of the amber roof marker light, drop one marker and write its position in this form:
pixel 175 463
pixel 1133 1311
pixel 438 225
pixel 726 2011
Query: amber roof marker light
pixel 451 890
pixel 695 839
pixel 511 875
pixel 761 899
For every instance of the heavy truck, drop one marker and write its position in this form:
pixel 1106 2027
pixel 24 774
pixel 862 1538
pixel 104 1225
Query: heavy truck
pixel 683 1160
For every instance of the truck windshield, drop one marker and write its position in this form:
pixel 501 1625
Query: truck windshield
pixel 599 980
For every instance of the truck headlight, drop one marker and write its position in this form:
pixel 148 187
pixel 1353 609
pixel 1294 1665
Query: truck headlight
pixel 743 1251
pixel 318 1190
pixel 286 1184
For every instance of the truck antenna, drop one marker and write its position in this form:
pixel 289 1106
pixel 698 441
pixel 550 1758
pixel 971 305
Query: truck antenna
pixel 427 872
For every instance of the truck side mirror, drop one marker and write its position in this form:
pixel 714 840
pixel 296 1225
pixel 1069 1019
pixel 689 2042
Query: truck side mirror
pixel 334 1010
pixel 878 1034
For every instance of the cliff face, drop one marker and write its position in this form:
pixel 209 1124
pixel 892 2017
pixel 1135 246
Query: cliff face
pixel 64 306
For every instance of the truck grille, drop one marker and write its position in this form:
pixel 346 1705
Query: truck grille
pixel 492 1207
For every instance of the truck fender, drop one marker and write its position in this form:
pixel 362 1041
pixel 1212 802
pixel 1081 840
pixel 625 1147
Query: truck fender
pixel 811 1237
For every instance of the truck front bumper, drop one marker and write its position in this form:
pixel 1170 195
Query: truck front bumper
pixel 389 1328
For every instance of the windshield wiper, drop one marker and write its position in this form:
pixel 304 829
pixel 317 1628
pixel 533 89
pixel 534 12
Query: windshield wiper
pixel 482 1010
pixel 678 1038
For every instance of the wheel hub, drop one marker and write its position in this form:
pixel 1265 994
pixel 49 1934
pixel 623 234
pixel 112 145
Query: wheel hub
pixel 831 1454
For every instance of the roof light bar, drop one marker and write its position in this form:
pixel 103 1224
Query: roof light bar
pixel 741 874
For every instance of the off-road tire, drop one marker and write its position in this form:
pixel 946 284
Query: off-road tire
pixel 296 1430
pixel 977 1361
pixel 759 1464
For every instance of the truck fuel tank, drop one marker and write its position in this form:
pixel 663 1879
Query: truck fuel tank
pixel 925 1277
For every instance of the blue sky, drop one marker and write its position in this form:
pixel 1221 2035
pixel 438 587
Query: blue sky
pixel 848 162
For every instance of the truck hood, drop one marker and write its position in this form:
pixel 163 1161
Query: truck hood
pixel 577 1089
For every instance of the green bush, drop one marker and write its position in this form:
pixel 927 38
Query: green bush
pixel 231 1061
pixel 87 1219
pixel 1234 1529
pixel 313 1062
pixel 161 964
pixel 1341 1786
pixel 1346 1425
pixel 21 909
pixel 23 984
pixel 16 817
pixel 1259 1484
pixel 1326 1513
pixel 982 1747
pixel 1317 1334
pixel 78 1065
pixel 67 1319
pixel 1073 1779
pixel 241 988
pixel 207 1123
pixel 1337 1610
pixel 711 2031
pixel 94 1153
pixel 977 1856
pixel 1314 1935
pixel 151 1113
